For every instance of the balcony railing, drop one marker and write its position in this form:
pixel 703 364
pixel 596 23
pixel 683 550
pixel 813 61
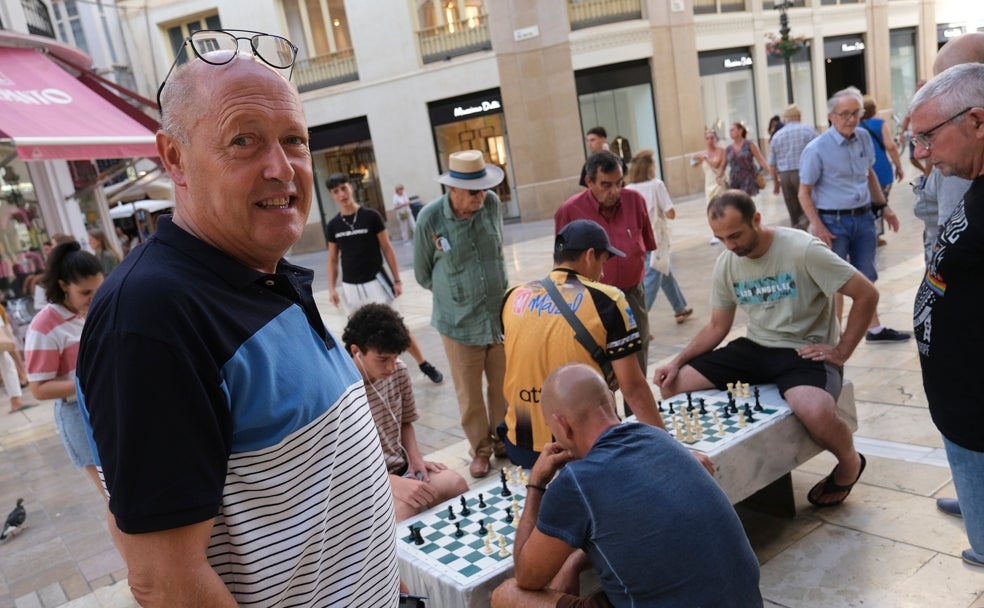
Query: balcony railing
pixel 38 19
pixel 454 39
pixel 325 70
pixel 589 13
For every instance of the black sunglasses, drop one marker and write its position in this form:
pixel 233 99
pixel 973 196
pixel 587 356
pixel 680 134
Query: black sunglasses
pixel 219 47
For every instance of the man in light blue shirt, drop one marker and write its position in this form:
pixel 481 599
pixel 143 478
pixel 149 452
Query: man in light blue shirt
pixel 837 190
pixel 785 150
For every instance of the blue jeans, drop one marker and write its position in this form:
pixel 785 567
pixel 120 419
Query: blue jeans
pixel 967 467
pixel 855 240
pixel 654 281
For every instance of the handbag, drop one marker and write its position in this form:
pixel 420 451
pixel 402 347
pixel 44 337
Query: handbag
pixel 581 333
pixel 660 258
pixel 760 180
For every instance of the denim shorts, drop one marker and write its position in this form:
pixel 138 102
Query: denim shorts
pixel 71 429
pixel 855 240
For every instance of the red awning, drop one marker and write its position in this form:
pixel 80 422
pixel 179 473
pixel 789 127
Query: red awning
pixel 49 115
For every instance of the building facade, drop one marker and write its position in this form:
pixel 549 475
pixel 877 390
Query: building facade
pixel 390 93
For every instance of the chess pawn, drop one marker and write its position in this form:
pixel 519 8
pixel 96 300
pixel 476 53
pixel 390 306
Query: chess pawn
pixel 490 529
pixel 503 552
pixel 487 549
pixel 741 418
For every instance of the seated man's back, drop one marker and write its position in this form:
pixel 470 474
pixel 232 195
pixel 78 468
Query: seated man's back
pixel 653 522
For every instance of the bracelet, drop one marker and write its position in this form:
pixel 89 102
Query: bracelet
pixel 397 281
pixel 533 486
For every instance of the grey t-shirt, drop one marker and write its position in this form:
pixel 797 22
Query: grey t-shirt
pixel 787 293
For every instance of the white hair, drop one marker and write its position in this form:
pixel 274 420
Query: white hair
pixel 850 93
pixel 954 89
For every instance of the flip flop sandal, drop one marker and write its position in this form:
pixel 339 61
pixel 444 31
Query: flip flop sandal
pixel 828 486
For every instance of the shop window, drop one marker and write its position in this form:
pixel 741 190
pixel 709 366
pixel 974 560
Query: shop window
pixel 702 7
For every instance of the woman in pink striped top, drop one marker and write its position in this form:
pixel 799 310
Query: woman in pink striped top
pixel 71 277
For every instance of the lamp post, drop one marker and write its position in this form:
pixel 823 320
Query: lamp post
pixel 782 7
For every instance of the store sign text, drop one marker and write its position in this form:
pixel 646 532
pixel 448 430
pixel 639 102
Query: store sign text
pixel 485 106
pixel 737 63
pixel 953 32
pixel 43 97
pixel 851 47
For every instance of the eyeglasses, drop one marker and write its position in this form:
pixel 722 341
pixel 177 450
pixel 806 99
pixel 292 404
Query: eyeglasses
pixel 925 139
pixel 848 115
pixel 219 47
pixel 476 192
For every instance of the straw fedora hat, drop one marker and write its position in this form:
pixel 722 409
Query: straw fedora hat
pixel 791 111
pixel 468 170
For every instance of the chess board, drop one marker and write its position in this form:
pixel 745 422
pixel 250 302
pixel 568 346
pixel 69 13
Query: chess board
pixel 717 434
pixel 455 572
pixel 463 558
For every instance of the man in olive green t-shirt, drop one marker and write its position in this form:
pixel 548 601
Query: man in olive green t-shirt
pixel 785 280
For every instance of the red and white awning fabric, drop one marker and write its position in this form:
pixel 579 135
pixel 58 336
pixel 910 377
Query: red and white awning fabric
pixel 50 115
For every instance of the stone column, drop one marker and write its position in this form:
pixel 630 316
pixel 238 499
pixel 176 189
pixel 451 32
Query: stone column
pixel 539 100
pixel 676 92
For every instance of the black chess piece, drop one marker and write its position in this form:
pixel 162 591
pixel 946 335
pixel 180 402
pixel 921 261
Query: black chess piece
pixel 451 512
pixel 748 413
pixel 690 402
pixel 509 515
pixel 671 412
pixel 758 404
pixel 734 407
pixel 659 405
pixel 703 409
pixel 481 528
pixel 418 538
pixel 505 489
pixel 457 530
pixel 502 475
pixel 726 411
pixel 465 511
pixel 412 536
pixel 481 501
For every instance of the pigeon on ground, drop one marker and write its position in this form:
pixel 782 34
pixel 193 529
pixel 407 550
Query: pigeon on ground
pixel 15 520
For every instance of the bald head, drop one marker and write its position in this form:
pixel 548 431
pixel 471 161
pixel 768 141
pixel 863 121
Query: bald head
pixel 968 48
pixel 578 392
pixel 185 96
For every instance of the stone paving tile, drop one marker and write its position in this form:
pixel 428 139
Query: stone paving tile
pixel 30 600
pixel 52 595
pixel 75 586
pixel 101 565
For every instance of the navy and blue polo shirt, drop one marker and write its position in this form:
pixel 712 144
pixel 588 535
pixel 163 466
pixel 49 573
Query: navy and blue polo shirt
pixel 213 390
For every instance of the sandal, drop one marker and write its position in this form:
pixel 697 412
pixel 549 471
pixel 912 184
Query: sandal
pixel 684 314
pixel 827 486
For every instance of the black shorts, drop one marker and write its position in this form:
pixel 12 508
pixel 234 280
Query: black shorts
pixel 745 361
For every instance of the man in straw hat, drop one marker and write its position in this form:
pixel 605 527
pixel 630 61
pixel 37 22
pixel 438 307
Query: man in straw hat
pixel 458 256
pixel 784 157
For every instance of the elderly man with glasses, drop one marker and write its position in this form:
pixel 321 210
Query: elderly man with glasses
pixel 231 428
pixel 947 118
pixel 838 191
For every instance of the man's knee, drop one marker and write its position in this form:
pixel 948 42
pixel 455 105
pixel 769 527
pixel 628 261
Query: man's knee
pixel 505 594
pixel 813 405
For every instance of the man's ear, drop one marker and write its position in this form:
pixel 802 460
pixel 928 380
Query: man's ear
pixel 562 424
pixel 170 152
pixel 977 115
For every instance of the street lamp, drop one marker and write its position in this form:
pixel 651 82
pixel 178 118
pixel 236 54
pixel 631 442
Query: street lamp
pixel 782 7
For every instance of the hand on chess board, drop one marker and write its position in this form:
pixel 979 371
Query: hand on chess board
pixel 822 352
pixel 417 493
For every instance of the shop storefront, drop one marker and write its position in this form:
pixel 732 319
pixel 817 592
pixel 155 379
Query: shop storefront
pixel 475 122
pixel 346 147
pixel 620 99
pixel 726 85
pixel 801 71
pixel 947 31
pixel 51 121
pixel 844 63
pixel 903 64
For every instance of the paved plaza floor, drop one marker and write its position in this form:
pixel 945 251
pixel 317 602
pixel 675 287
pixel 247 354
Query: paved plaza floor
pixel 887 546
